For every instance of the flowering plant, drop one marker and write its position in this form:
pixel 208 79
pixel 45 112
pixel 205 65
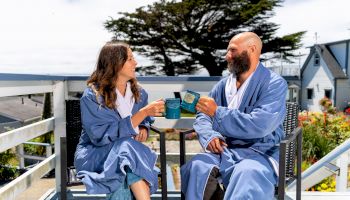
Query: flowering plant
pixel 347 110
pixel 327 106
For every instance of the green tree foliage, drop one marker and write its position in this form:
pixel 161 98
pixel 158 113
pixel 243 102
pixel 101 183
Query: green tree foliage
pixel 183 36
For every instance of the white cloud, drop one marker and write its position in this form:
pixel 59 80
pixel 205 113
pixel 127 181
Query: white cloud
pixel 328 18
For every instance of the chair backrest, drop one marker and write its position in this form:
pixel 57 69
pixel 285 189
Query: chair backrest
pixel 73 128
pixel 289 124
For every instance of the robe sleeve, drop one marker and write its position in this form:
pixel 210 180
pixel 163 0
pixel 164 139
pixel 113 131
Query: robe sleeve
pixel 102 124
pixel 148 121
pixel 260 120
pixel 203 125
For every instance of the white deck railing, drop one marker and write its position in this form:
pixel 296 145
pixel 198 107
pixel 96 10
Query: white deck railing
pixel 335 162
pixel 61 87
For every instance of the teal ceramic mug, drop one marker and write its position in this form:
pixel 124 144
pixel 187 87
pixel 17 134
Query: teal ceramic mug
pixel 172 108
pixel 190 101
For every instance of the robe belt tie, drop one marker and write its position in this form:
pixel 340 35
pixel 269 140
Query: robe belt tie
pixel 237 143
pixel 232 146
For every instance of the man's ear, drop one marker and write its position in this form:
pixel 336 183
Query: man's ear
pixel 252 48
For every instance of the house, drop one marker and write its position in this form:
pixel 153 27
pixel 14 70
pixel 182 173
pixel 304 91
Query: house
pixel 291 73
pixel 325 73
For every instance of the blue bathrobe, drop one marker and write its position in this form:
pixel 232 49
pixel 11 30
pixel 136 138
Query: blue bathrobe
pixel 106 147
pixel 252 133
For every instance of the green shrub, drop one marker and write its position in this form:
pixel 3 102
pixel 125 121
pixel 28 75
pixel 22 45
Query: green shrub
pixel 7 172
pixel 39 150
pixel 6 156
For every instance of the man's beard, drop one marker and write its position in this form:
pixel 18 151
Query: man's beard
pixel 239 64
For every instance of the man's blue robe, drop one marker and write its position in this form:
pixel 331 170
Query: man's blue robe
pixel 252 133
pixel 106 147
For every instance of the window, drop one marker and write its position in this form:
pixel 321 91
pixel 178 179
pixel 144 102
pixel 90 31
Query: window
pixel 316 60
pixel 292 95
pixel 328 93
pixel 310 93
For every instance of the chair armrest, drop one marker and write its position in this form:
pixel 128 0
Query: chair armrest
pixel 187 131
pixel 155 129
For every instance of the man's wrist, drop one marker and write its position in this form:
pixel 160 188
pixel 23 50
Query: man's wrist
pixel 214 111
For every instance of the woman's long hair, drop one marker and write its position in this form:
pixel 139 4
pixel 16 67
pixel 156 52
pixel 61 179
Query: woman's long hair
pixel 103 80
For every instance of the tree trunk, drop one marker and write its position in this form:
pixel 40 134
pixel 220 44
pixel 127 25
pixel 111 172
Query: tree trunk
pixel 168 65
pixel 214 68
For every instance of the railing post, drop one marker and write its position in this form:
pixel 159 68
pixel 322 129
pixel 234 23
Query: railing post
pixel 48 150
pixel 59 95
pixel 20 154
pixel 342 177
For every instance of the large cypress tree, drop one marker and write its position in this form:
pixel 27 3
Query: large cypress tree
pixel 183 36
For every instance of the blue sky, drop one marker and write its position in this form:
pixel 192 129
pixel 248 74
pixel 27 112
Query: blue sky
pixel 64 36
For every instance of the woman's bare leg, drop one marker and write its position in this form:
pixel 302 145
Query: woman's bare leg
pixel 140 189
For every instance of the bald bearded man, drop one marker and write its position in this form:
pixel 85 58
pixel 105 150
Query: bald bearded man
pixel 240 127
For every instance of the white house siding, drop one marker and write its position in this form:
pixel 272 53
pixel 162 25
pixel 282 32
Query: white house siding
pixel 318 78
pixel 343 94
pixel 345 83
pixel 339 52
pixel 349 60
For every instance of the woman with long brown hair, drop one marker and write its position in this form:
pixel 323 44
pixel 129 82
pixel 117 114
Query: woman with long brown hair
pixel 116 116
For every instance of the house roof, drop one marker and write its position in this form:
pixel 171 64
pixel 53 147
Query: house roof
pixel 12 107
pixel 331 63
pixel 332 43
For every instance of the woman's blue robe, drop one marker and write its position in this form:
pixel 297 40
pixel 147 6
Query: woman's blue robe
pixel 106 147
pixel 252 133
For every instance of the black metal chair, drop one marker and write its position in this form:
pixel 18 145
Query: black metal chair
pixel 73 132
pixel 290 152
pixel 70 142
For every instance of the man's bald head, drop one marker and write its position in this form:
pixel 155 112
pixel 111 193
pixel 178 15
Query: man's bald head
pixel 249 39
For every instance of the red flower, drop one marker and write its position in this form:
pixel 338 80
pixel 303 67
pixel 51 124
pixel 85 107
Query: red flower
pixel 347 111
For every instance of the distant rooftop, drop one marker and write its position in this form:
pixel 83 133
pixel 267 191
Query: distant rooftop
pixel 286 70
pixel 4 119
pixel 20 108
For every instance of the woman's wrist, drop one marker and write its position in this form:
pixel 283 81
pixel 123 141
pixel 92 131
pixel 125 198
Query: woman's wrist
pixel 144 112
